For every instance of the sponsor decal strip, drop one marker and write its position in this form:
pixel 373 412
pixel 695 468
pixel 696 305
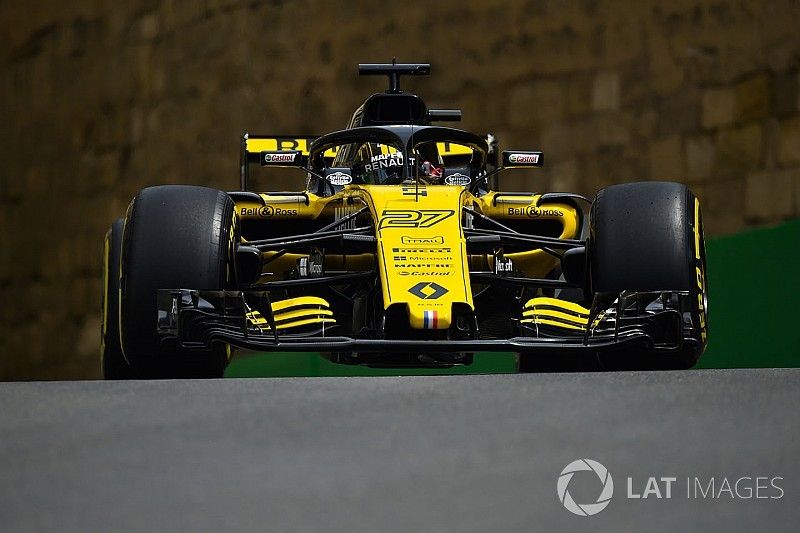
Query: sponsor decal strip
pixel 278 158
pixel 524 158
pixel 340 178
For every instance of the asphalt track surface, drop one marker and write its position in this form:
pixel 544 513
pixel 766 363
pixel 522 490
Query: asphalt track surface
pixel 468 453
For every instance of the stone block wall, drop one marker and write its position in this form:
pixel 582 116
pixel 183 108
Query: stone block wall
pixel 99 99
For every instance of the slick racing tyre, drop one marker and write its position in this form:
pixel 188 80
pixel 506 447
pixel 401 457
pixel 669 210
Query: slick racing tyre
pixel 176 237
pixel 113 363
pixel 648 236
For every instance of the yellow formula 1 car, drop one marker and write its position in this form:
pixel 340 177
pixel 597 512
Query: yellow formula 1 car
pixel 400 252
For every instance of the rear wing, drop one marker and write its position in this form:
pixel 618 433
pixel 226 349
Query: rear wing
pixel 253 147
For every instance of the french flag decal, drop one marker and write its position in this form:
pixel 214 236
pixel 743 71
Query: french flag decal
pixel 430 319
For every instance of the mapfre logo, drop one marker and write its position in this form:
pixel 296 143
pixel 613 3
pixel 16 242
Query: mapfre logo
pixel 595 469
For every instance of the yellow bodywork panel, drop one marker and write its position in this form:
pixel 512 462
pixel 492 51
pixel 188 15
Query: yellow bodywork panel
pixel 291 316
pixel 554 312
pixel 277 144
pixel 535 263
pixel 257 145
pixel 562 305
pixel 421 255
pixel 302 301
pixel 273 206
pixel 421 250
pixel 294 313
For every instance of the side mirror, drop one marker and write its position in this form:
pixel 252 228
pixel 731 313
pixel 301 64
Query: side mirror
pixel 522 159
pixel 510 159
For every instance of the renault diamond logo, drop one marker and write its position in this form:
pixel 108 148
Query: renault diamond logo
pixel 428 290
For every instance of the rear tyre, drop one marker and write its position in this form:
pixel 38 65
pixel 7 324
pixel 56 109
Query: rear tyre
pixel 175 237
pixel 648 236
pixel 112 362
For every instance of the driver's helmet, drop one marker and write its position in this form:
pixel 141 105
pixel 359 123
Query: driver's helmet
pixel 378 164
pixel 430 169
pixel 430 173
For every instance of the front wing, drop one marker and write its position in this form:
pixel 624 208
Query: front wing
pixel 196 319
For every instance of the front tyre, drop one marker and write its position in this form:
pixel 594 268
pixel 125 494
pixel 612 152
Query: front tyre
pixel 176 237
pixel 112 362
pixel 648 237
